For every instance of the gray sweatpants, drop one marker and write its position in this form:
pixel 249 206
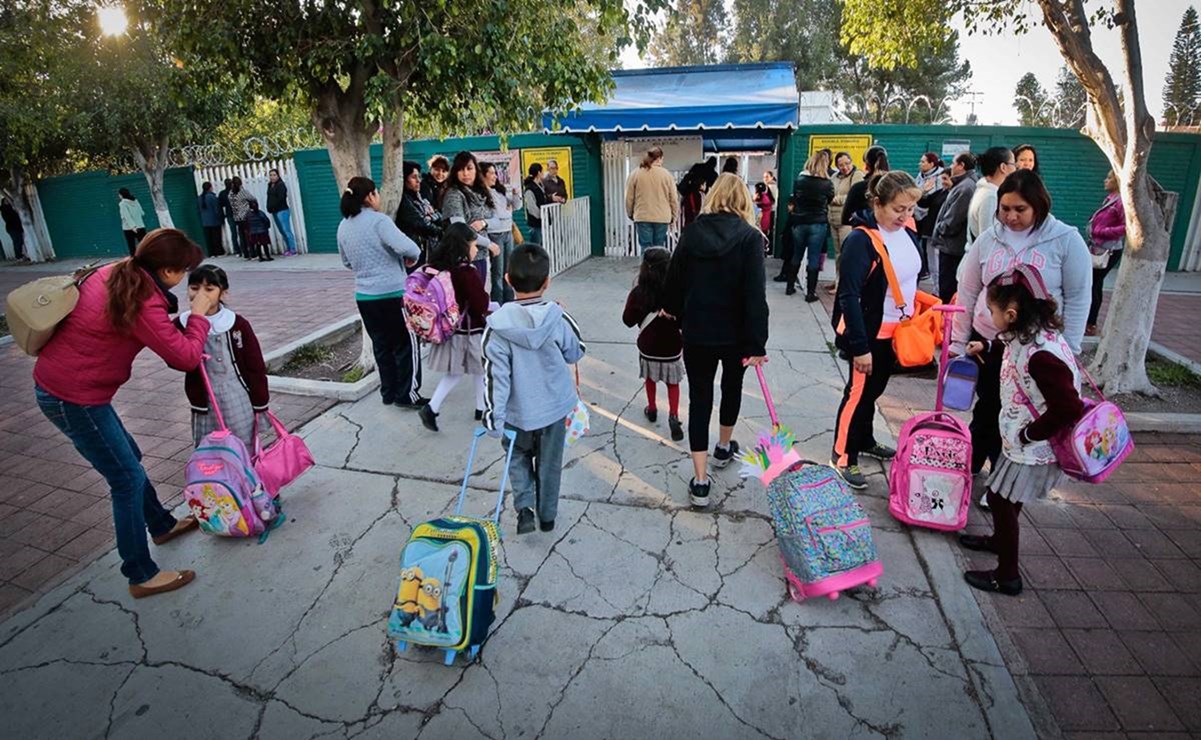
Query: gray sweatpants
pixel 537 468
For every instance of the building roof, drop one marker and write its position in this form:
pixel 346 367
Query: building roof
pixel 722 96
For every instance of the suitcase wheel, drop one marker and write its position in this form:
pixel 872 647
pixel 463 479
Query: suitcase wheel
pixel 450 657
pixel 401 646
pixel 475 650
pixel 795 592
pixel 833 596
pixel 873 582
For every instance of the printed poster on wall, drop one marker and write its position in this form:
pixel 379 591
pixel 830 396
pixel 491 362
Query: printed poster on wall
pixel 508 166
pixel 561 155
pixel 952 147
pixel 854 144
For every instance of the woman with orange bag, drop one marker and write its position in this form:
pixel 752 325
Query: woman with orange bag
pixel 867 314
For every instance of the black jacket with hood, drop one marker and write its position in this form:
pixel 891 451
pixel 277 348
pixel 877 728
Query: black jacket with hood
pixel 811 198
pixel 716 284
pixel 862 289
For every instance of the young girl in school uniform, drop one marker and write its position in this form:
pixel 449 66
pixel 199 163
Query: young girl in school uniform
pixel 1040 396
pixel 660 345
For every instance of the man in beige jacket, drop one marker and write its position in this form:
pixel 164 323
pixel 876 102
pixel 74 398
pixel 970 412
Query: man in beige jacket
pixel 847 174
pixel 651 200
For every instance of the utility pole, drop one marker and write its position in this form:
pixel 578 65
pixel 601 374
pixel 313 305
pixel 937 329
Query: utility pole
pixel 972 96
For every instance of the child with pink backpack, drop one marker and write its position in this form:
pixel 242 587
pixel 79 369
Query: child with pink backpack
pixel 1040 400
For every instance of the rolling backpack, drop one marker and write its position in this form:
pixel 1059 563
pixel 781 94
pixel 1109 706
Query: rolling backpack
pixel 221 487
pixel 824 535
pixel 930 481
pixel 448 571
pixel 430 307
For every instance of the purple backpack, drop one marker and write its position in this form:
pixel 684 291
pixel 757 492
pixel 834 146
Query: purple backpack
pixel 430 307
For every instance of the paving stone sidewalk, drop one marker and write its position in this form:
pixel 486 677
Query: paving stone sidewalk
pixel 55 512
pixel 636 617
pixel 1109 625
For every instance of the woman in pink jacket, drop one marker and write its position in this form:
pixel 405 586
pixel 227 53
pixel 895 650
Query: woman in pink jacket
pixel 122 309
pixel 1107 238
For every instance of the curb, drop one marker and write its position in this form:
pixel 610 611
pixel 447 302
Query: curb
pixel 319 388
pixel 337 330
pixel 6 340
pixel 1151 421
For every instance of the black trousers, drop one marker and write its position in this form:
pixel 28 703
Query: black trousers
pixel 853 424
pixel 397 354
pixel 948 284
pixel 985 428
pixel 700 363
pixel 133 237
pixel 1094 308
pixel 212 239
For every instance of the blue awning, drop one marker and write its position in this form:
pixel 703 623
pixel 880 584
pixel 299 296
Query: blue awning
pixel 723 96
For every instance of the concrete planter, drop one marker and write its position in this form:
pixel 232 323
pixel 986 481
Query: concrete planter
pixel 328 335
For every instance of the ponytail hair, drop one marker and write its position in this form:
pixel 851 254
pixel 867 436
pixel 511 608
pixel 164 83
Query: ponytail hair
pixel 132 280
pixel 876 159
pixel 654 154
pixel 355 195
pixel 884 187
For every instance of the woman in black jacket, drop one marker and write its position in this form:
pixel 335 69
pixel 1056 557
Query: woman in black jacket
pixel 807 220
pixel 866 314
pixel 416 216
pixel 716 287
pixel 875 160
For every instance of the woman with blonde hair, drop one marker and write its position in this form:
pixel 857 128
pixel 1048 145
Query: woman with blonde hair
pixel 811 196
pixel 716 287
pixel 651 201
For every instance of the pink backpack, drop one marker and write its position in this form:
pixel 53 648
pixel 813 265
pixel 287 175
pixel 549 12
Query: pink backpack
pixel 430 307
pixel 930 482
pixel 221 487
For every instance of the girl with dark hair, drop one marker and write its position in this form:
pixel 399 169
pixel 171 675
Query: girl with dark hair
pixel 462 354
pixel 466 201
pixel 377 251
pixel 233 361
pixel 416 216
pixel 122 309
pixel 132 219
pixel 866 315
pixel 1041 396
pixel 1025 233
pixel 692 190
pixel 1026 158
pixel 875 160
pixel 433 182
pixel 500 229
pixel 660 345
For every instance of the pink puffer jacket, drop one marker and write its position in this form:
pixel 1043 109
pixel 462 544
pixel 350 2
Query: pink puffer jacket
pixel 1108 224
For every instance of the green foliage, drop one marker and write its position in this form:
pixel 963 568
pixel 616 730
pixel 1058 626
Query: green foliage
pixel 353 375
pixel 802 31
pixel 1030 100
pixel 694 33
pixel 306 356
pixel 892 34
pixel 1182 85
pixel 1169 374
pixel 882 95
pixel 1071 99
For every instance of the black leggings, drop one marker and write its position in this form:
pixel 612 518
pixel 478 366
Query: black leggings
pixel 1005 536
pixel 1094 308
pixel 700 362
pixel 986 414
pixel 133 237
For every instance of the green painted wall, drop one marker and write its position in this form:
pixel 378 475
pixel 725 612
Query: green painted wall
pixel 320 195
pixel 81 210
pixel 1072 166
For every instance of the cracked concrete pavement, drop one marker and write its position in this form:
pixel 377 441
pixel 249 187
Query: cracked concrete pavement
pixel 636 617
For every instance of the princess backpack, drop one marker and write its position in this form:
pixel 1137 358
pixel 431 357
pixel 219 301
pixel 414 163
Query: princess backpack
pixel 429 303
pixel 930 482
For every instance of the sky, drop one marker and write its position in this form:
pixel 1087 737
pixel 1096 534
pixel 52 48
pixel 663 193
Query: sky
pixel 1036 52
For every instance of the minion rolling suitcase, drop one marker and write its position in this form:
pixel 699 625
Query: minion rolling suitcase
pixel 447 597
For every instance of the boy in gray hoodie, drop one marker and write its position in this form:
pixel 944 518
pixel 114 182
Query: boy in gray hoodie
pixel 528 345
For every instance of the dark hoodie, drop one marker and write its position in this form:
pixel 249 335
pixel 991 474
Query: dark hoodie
pixel 859 307
pixel 716 285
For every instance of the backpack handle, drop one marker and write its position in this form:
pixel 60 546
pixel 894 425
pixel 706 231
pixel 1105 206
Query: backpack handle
pixel 771 406
pixel 212 396
pixel 504 481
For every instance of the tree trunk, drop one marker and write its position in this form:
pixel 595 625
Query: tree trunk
pixel 392 186
pixel 35 248
pixel 1120 363
pixel 152 159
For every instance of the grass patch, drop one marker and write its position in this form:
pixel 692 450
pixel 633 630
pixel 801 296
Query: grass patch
pixel 353 375
pixel 307 356
pixel 832 349
pixel 1171 375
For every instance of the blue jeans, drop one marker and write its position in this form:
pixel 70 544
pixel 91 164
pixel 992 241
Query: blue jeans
pixel 283 220
pixel 501 292
pixel 98 434
pixel 810 238
pixel 650 235
pixel 535 235
pixel 234 234
pixel 537 468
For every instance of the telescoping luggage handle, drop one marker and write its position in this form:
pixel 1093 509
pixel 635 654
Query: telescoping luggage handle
pixel 771 406
pixel 947 309
pixel 504 481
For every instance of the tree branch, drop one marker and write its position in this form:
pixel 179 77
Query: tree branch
pixel 1139 121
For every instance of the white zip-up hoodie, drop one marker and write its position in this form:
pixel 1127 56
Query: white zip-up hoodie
pixel 1059 253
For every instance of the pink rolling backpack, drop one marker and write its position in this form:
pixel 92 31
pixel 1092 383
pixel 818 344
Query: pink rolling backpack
pixel 930 482
pixel 429 303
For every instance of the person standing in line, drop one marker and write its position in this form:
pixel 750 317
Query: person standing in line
pixel 1026 157
pixel 210 219
pixel 731 166
pixel 1107 236
pixel 829 155
pixel 950 230
pixel 416 216
pixel 258 226
pixel 717 288
pixel 858 198
pixel 932 201
pixel 377 251
pixel 808 219
pixel 433 183
pixel 996 163
pixel 651 201
pixel 846 175
pixel 533 199
pixel 277 206
pixel 769 179
pixel 123 308
pixel 500 230
pixel 132 223
pixel 660 346
pixel 239 206
pixel 466 201
pixel 865 315
pixel 929 179
pixel 227 213
pixel 555 186
pixel 692 194
pixel 12 225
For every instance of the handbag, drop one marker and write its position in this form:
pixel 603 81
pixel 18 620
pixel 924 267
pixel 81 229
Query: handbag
pixel 35 309
pixel 284 461
pixel 917 333
pixel 577 420
pixel 518 239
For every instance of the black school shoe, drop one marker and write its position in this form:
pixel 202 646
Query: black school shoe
pixel 525 521
pixel 405 403
pixel 722 458
pixel 677 429
pixel 698 493
pixel 986 580
pixel 652 415
pixel 977 542
pixel 429 419
pixel 546 526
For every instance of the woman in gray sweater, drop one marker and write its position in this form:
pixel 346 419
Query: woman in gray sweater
pixel 466 201
pixel 372 246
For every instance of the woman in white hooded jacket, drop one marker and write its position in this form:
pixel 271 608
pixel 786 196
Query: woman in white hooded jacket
pixel 1025 233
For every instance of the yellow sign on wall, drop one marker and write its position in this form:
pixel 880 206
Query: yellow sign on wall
pixel 855 145
pixel 541 155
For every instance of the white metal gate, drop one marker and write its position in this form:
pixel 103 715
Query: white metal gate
pixel 255 179
pixel 567 233
pixel 618 160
